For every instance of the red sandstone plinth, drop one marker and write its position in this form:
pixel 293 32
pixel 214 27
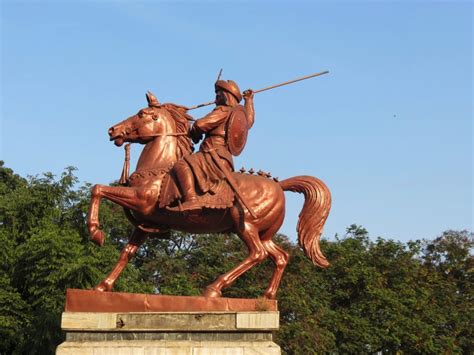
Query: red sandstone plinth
pixel 94 301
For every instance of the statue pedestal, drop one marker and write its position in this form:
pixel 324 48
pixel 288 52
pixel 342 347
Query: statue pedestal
pixel 170 332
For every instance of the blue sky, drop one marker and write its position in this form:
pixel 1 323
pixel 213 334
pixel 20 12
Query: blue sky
pixel 389 129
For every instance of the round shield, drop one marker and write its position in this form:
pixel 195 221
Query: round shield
pixel 237 130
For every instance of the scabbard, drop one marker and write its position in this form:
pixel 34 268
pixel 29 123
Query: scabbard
pixel 230 180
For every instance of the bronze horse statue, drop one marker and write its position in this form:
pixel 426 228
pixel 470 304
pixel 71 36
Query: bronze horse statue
pixel 163 129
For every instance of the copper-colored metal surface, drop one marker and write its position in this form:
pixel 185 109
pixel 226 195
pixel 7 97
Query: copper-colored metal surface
pixel 95 301
pixel 230 180
pixel 237 130
pixel 255 215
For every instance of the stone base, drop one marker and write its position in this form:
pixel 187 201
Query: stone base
pixel 170 333
pixel 138 347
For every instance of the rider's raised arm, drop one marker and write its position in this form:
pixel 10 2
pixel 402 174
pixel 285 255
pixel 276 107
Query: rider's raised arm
pixel 248 97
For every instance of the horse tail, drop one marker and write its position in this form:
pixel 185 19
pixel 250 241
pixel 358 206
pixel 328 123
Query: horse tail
pixel 317 203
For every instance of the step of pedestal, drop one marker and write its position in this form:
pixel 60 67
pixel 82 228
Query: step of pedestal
pixel 168 348
pixel 108 324
pixel 170 321
pixel 95 301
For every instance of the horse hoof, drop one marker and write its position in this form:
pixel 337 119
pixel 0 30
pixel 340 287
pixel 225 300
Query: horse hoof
pixel 100 288
pixel 269 295
pixel 105 286
pixel 211 292
pixel 98 237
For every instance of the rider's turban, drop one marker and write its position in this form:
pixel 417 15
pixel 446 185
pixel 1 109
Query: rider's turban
pixel 229 86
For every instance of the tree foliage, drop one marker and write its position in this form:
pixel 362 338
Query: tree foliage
pixel 45 250
pixel 377 296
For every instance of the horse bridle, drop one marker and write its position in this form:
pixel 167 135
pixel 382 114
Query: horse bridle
pixel 154 118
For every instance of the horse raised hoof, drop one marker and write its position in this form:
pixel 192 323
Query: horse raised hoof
pixel 211 292
pixel 98 237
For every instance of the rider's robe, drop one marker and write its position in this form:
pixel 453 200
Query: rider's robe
pixel 205 169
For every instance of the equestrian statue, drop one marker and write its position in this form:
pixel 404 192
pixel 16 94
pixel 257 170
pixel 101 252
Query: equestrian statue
pixel 173 188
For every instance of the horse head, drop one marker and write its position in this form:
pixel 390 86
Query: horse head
pixel 142 127
pixel 169 123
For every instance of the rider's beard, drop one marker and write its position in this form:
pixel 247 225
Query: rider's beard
pixel 230 100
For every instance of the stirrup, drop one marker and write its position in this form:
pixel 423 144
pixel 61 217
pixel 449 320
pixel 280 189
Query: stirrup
pixel 192 205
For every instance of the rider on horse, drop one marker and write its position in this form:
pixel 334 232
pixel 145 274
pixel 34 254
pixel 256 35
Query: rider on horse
pixel 201 167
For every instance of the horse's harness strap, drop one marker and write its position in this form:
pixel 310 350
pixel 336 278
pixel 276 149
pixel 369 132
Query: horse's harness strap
pixel 134 136
pixel 126 166
pixel 167 134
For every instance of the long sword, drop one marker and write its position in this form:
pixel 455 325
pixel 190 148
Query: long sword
pixel 232 182
pixel 268 87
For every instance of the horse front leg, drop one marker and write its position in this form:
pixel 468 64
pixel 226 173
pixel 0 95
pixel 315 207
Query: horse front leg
pixel 136 240
pixel 96 235
pixel 140 199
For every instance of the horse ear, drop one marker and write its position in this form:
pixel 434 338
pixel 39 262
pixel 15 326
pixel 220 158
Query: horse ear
pixel 152 100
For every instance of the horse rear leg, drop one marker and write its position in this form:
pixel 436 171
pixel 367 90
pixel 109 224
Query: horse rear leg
pixel 279 257
pixel 257 253
pixel 140 199
pixel 136 240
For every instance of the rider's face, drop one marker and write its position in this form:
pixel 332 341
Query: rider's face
pixel 220 97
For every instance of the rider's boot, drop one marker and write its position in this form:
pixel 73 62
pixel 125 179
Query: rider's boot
pixel 186 182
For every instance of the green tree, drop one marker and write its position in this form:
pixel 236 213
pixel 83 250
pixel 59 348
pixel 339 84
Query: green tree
pixel 448 266
pixel 45 251
pixel 377 295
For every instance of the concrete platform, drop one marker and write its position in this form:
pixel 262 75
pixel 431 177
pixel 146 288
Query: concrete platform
pixel 170 333
pixel 169 348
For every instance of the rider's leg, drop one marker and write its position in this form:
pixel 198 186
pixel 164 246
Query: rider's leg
pixel 186 180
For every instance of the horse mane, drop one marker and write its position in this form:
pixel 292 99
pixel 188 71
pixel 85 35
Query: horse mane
pixel 182 119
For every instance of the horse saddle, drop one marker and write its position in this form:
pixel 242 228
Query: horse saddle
pixel 220 197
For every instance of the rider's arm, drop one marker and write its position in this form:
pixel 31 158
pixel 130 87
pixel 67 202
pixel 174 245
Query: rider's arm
pixel 208 122
pixel 248 97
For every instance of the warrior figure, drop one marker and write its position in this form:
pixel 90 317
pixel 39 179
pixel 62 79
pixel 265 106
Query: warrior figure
pixel 201 167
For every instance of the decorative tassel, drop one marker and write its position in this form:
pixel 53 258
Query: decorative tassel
pixel 126 166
